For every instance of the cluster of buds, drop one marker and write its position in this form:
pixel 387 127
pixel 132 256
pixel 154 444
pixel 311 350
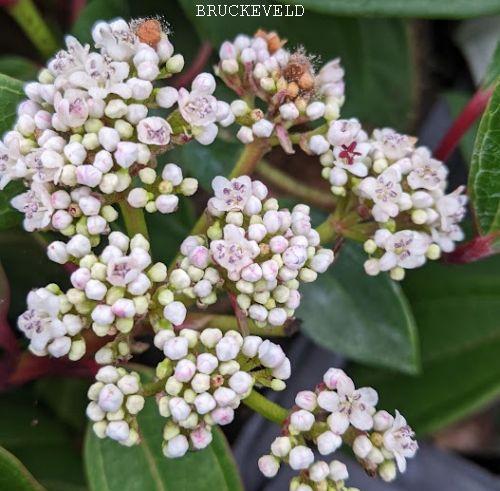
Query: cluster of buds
pixel 397 186
pixel 52 324
pixel 287 81
pixel 115 401
pixel 86 129
pixel 337 413
pixel 262 252
pixel 207 375
pixel 159 194
pixel 112 291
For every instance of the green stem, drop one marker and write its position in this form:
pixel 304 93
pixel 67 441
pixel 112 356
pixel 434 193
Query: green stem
pixel 262 405
pixel 34 26
pixel 135 222
pixel 294 187
pixel 152 388
pixel 326 231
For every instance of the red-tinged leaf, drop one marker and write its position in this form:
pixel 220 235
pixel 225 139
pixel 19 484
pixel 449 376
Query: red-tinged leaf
pixel 478 248
pixel 8 341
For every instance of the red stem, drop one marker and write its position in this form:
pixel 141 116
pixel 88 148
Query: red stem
pixel 478 248
pixel 470 113
pixel 75 9
pixel 195 68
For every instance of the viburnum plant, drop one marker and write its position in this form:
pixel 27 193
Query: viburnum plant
pixel 85 144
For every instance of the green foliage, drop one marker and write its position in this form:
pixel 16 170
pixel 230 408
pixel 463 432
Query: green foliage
pixel 365 318
pixel 432 9
pixel 456 308
pixel 493 70
pixel 11 94
pixel 18 67
pixel 44 445
pixel 375 54
pixel 14 476
pixel 484 178
pixel 206 470
pixel 9 217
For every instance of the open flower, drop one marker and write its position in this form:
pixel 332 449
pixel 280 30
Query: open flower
pixel 116 39
pixel 154 131
pixel 351 405
pixel 12 165
pixel 36 206
pixel 398 439
pixel 230 195
pixel 406 249
pixel 197 107
pixel 72 108
pixel 235 252
pixel 392 144
pixel 426 173
pixel 451 208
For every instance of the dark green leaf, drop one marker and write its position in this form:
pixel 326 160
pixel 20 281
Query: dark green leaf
pixel 11 94
pixel 493 70
pixel 40 441
pixel 375 54
pixel 456 308
pixel 18 67
pixel 205 162
pixel 9 217
pixel 208 470
pixel 14 476
pixel 484 178
pixel 94 11
pixel 453 9
pixel 365 318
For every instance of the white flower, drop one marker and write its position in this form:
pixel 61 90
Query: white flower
pixel 399 440
pixel 354 406
pixel 451 208
pixel 446 240
pixel 154 131
pixel 12 165
pixel 406 249
pixel 393 145
pixel 230 195
pixel 350 157
pixel 73 58
pixel 115 39
pixel 36 206
pixel 71 109
pixel 426 173
pixel 198 108
pixel 234 252
pixel 122 270
pixel 40 323
pixel 385 191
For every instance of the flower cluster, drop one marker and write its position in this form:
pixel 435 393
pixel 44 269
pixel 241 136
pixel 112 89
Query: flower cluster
pixel 397 185
pixel 86 130
pixel 337 413
pixel 262 252
pixel 211 373
pixel 52 324
pixel 286 81
pixel 115 401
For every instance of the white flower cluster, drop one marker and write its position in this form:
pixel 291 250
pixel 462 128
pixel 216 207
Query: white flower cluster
pixel 403 189
pixel 115 401
pixel 337 413
pixel 287 81
pixel 211 373
pixel 160 194
pixel 86 129
pixel 261 251
pixel 52 325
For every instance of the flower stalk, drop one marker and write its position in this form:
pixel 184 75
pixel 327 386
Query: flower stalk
pixel 262 405
pixel 135 222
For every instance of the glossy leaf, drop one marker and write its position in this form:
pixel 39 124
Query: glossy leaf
pixel 207 470
pixel 493 70
pixel 11 94
pixel 10 217
pixel 484 178
pixel 365 318
pixel 453 9
pixel 14 476
pixel 374 52
pixel 18 67
pixel 456 308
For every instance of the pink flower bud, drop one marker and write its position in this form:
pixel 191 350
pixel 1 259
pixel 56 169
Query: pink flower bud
pixel 179 408
pixel 201 437
pixel 241 382
pixel 227 51
pixel 128 384
pixel 89 205
pixel 110 398
pixel 222 415
pixel 306 399
pixel 277 317
pixel 102 314
pixel 227 348
pixel 107 374
pixel 199 256
pixel 315 110
pixel 289 111
pixel 141 89
pixel 271 221
pixel 278 244
pixel 252 273
pixel 56 251
pixel 319 471
pixel 204 82
pixel 257 231
pixel 60 200
pixel 338 471
pixel 173 173
pixel 204 403
pixel 167 203
pixel 136 113
pixel 96 225
pixel 176 348
pixel 318 144
pixel 245 135
pixel 382 421
pixel 271 355
pixel 302 420
pixel 203 288
pixel 328 442
pixel 257 312
pixel 123 307
pixel 108 138
pixel 118 430
pixel 281 446
pixel 269 465
pixel 61 219
pixel 270 269
pixel 300 457
pixel 59 347
pixel 78 246
pixel 148 70
pixel 176 447
pixel 207 134
pixel 184 370
pixel 126 154
pixel 166 97
pixel 206 363
pixel 263 128
pixel 332 376
pixel 137 198
pixel 88 175
pixel 80 277
pixel 362 446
